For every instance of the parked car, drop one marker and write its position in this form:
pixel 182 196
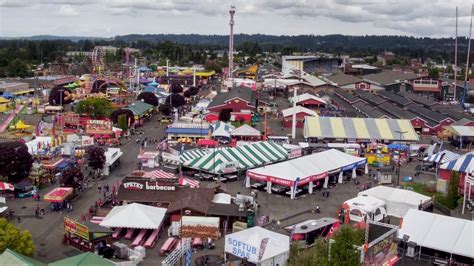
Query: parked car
pixel 280 190
pixel 259 185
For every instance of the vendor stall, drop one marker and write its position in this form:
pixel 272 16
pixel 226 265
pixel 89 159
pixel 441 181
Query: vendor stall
pixel 259 246
pixel 150 159
pixel 399 201
pixel 363 208
pixel 58 197
pixel 86 236
pixel 112 160
pixel 6 190
pixel 134 215
pixel 307 169
pixel 246 132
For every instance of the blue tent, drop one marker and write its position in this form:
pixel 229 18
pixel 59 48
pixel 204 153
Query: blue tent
pixel 397 146
pixel 144 69
pixel 149 89
pixel 7 95
pixel 153 83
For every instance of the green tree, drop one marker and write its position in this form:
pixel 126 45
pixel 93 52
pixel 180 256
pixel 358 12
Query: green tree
pixel 19 241
pixel 15 162
pixel 122 122
pixel 96 158
pixel 342 250
pixel 453 190
pixel 72 177
pixel 95 107
pixel 433 73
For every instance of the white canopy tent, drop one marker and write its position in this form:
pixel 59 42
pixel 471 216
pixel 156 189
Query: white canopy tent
pixel 134 215
pixel 259 246
pixel 223 198
pixel 246 131
pixel 398 201
pixel 307 169
pixel 439 232
pixel 369 206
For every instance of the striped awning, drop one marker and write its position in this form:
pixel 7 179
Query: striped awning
pixel 189 182
pixel 192 154
pixel 359 128
pixel 158 174
pixel 245 157
pixel 462 164
pixel 448 156
pixel 6 186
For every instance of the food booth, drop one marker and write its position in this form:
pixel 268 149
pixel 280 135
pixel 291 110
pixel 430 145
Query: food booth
pixel 86 236
pixel 58 196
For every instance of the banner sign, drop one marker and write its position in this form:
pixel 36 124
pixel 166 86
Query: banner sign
pixel 285 182
pixel 241 249
pixel 99 127
pixel 150 185
pixel 76 228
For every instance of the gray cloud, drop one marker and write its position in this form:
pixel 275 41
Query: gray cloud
pixel 409 17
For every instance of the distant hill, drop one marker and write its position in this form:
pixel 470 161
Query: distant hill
pixel 53 37
pixel 312 42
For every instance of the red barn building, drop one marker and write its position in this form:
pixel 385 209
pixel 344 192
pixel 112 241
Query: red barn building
pixel 309 101
pixel 301 113
pixel 237 100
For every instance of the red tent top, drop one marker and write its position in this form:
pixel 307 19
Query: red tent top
pixel 207 142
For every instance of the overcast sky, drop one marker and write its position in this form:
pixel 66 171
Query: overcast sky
pixel 107 18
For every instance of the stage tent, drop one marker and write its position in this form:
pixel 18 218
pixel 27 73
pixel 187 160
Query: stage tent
pixel 438 232
pixel 463 164
pixel 398 201
pixel 134 215
pixel 307 169
pixel 259 246
pixel 362 206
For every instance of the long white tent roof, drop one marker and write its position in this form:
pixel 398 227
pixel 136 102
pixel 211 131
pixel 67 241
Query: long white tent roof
pixel 134 215
pixel 246 131
pixel 398 201
pixel 310 165
pixel 439 232
pixel 366 203
pixel 252 238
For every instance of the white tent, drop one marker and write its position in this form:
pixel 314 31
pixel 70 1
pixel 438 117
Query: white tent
pixel 439 232
pixel 221 132
pixel 134 215
pixel 369 206
pixel 259 246
pixel 306 169
pixel 298 109
pixel 246 131
pixel 398 201
pixel 223 198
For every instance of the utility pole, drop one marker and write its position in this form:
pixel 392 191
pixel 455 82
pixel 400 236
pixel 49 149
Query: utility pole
pixel 456 57
pixel 467 60
pixel 399 155
pixel 231 41
pixel 293 125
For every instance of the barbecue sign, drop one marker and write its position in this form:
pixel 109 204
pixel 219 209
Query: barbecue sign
pixel 150 185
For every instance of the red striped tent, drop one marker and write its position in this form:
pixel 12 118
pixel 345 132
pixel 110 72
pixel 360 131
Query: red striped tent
pixel 158 174
pixel 162 174
pixel 6 186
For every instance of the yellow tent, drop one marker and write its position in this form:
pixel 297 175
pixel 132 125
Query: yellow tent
pixel 21 125
pixel 3 100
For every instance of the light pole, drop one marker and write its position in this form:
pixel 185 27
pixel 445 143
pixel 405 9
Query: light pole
pixel 399 155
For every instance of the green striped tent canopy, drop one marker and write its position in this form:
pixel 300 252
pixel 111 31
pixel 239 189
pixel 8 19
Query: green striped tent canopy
pixel 246 156
pixel 193 154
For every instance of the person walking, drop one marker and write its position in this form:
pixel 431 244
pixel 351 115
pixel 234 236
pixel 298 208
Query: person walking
pixel 99 188
pixel 318 210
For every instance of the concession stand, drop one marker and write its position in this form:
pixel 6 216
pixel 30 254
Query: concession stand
pixel 58 196
pixel 86 236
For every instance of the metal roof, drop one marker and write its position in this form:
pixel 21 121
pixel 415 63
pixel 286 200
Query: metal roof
pixel 430 114
pixel 394 97
pixel 385 78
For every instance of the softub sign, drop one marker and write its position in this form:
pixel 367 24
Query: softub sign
pixel 241 249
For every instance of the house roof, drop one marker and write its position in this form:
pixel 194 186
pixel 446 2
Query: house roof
pixel 453 111
pixel 397 111
pixel 10 257
pixel 464 131
pixel 307 96
pixel 298 109
pixel 341 79
pixel 313 80
pixel 369 97
pixel 195 199
pixel 389 77
pixel 243 93
pixel 418 99
pixel 396 98
pixel 349 97
pixel 220 209
pixel 370 111
pixel 84 259
pixel 435 116
pixel 349 110
pixel 462 122
pixel 139 107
